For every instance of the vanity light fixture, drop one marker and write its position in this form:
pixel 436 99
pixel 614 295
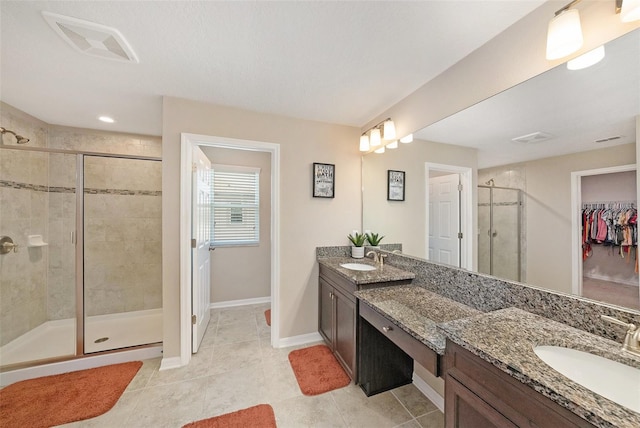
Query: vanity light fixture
pixel 407 139
pixel 374 137
pixel 392 145
pixel 587 60
pixel 364 143
pixel 564 35
pixel 630 10
pixel 380 150
pixel 389 130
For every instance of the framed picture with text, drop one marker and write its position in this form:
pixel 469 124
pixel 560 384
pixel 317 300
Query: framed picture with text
pixel 395 185
pixel 324 180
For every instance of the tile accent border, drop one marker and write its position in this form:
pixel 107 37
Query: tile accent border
pixel 87 191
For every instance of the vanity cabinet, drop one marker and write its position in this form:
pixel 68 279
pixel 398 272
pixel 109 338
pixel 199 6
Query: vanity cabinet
pixel 337 318
pixel 479 395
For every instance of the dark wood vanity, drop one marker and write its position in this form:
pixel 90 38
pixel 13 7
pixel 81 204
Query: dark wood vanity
pixel 478 395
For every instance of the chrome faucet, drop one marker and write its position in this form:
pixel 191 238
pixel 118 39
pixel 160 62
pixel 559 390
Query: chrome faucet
pixel 378 258
pixel 631 342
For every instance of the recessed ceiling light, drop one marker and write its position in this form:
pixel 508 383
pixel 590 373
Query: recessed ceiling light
pixel 106 119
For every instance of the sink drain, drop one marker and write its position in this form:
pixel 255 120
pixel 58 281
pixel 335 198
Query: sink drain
pixel 102 339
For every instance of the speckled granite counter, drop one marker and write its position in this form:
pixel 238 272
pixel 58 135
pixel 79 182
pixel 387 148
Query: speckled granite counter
pixel 506 338
pixel 381 274
pixel 416 311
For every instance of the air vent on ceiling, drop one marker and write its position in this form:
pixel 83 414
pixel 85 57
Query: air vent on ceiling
pixel 536 137
pixel 604 140
pixel 91 38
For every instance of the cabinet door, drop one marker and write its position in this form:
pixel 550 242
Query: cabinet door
pixel 345 338
pixel 464 409
pixel 325 312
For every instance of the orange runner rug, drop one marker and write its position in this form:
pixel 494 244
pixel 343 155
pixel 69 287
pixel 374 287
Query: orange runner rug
pixel 267 316
pixel 68 397
pixel 260 416
pixel 317 370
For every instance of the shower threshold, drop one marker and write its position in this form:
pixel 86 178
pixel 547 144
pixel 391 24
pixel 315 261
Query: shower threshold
pixel 54 339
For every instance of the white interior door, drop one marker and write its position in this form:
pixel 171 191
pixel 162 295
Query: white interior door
pixel 201 239
pixel 444 219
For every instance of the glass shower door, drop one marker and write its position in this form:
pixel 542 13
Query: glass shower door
pixel 122 253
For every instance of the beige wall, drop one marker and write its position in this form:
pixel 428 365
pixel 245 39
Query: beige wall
pixel 244 272
pixel 404 222
pixel 305 222
pixel 548 204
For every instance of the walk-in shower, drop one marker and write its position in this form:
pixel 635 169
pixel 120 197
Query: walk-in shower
pixel 500 231
pixel 85 275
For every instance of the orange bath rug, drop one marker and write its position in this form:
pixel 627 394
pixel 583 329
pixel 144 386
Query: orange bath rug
pixel 317 370
pixel 267 316
pixel 68 397
pixel 260 416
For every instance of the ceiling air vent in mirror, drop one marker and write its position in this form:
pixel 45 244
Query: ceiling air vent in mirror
pixel 92 39
pixel 536 137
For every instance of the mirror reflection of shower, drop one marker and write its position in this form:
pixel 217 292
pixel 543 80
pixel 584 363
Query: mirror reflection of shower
pixel 19 138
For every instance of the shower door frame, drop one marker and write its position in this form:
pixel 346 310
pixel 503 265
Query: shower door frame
pixel 491 226
pixel 78 241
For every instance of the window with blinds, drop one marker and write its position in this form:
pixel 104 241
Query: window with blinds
pixel 236 205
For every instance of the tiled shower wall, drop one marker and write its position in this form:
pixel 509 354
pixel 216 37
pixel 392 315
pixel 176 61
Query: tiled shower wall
pixel 23 211
pixel 37 196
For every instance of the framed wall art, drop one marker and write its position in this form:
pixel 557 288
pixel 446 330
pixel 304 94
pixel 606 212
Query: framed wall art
pixel 395 185
pixel 324 180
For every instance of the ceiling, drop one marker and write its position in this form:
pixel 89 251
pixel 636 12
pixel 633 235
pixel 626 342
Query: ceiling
pixel 575 107
pixel 337 62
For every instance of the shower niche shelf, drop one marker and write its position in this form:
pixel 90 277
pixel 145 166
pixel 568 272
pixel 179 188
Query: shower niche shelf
pixel 34 241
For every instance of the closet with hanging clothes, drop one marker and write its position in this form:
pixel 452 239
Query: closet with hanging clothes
pixel 610 238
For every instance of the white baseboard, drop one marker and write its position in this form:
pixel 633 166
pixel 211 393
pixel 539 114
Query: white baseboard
pixel 7 378
pixel 243 302
pixel 170 363
pixel 429 392
pixel 302 339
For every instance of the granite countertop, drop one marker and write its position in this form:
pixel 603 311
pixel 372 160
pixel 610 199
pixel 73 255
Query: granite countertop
pixel 506 338
pixel 381 274
pixel 416 311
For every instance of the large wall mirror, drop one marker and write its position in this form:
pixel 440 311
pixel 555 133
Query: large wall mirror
pixel 530 161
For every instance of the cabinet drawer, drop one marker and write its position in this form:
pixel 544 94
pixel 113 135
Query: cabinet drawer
pixel 413 347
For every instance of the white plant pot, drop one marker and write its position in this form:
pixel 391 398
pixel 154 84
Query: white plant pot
pixel 357 252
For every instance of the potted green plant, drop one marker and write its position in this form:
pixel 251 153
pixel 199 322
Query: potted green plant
pixel 358 240
pixel 374 239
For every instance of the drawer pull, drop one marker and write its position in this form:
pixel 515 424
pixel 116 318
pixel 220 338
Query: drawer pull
pixel 386 329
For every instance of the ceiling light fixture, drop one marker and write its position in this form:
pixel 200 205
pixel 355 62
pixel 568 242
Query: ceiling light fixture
pixel 587 60
pixel 407 139
pixel 106 119
pixel 564 35
pixel 629 10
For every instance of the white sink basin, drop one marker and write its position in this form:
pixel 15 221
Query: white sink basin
pixel 613 380
pixel 357 266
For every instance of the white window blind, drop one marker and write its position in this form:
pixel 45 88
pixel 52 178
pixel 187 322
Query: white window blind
pixel 236 205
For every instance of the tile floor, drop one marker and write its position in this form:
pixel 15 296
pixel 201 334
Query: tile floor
pixel 236 368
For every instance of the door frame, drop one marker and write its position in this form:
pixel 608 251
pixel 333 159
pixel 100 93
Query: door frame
pixel 187 142
pixel 466 209
pixel 576 210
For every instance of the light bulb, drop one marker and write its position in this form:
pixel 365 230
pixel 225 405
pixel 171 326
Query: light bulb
pixel 630 10
pixel 364 143
pixel 374 137
pixel 564 35
pixel 407 139
pixel 389 130
pixel 587 60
